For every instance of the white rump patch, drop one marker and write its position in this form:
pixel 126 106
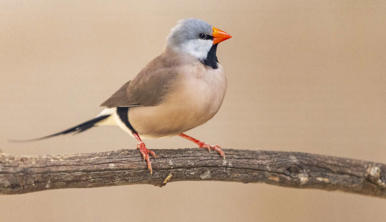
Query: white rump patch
pixel 109 121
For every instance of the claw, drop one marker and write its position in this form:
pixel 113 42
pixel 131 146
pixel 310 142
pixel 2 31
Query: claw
pixel 145 155
pixel 209 147
pixel 144 151
pixel 200 144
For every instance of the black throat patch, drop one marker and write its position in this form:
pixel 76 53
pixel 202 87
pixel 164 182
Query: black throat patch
pixel 211 59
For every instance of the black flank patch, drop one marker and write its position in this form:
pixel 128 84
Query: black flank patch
pixel 123 115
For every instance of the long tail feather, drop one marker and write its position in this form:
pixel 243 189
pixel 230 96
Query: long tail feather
pixel 75 130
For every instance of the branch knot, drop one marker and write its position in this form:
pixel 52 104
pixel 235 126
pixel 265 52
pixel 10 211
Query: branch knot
pixel 374 175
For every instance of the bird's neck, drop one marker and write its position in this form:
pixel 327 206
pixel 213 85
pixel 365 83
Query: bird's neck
pixel 211 59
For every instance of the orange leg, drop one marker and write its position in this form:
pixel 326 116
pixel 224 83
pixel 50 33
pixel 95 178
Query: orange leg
pixel 201 144
pixel 144 151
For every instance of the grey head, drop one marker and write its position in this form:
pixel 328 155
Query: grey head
pixel 192 36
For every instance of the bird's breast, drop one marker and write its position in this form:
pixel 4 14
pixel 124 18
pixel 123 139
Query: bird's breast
pixel 194 98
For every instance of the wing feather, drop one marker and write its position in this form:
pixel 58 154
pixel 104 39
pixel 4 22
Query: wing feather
pixel 150 86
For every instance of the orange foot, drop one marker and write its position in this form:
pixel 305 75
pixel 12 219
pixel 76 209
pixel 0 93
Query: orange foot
pixel 209 147
pixel 201 144
pixel 145 154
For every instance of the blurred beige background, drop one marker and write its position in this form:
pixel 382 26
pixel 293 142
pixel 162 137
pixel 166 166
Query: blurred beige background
pixel 304 76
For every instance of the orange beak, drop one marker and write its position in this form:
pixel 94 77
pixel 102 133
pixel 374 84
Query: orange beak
pixel 219 35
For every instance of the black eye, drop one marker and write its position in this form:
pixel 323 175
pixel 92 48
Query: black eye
pixel 205 36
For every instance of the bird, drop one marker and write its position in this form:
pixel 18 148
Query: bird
pixel 178 90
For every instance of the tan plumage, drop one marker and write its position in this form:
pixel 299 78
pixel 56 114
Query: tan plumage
pixel 190 95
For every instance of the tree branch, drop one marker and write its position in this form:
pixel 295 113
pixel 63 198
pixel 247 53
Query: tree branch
pixel 22 174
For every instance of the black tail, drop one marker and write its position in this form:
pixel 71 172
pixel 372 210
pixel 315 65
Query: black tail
pixel 75 130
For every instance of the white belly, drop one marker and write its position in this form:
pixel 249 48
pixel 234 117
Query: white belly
pixel 196 98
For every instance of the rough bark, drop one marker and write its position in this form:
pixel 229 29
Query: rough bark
pixel 23 174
